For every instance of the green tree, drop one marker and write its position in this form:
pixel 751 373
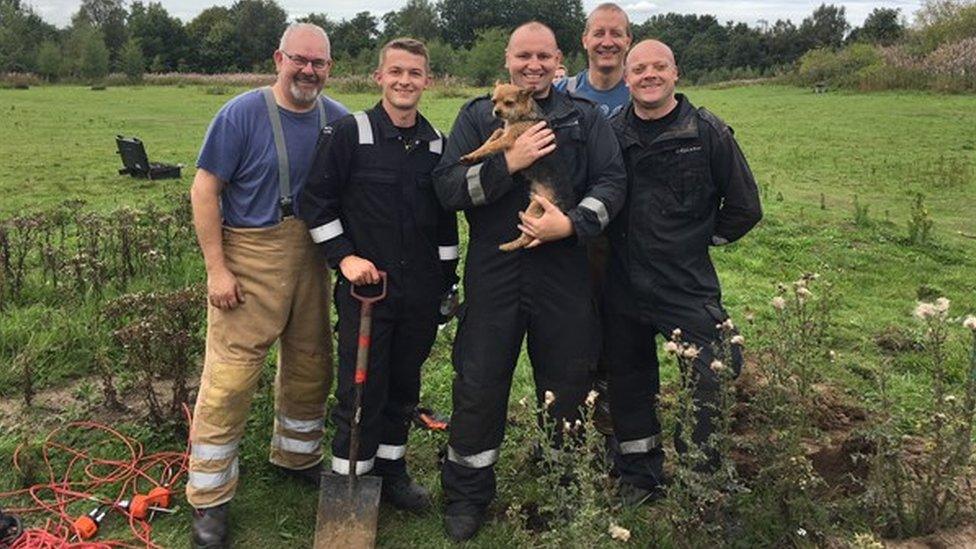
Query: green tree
pixel 258 25
pixel 21 33
pixel 214 34
pixel 461 20
pixel 418 19
pixel 94 57
pixel 355 35
pixel 883 26
pixel 49 60
pixel 159 34
pixel 131 60
pixel 109 18
pixel 486 60
pixel 825 28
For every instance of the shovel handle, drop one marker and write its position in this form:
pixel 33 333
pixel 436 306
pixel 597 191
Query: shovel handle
pixel 365 327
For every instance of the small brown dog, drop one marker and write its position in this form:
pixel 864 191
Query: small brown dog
pixel 519 111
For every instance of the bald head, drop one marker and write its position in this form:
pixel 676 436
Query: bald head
pixel 535 29
pixel 532 57
pixel 651 48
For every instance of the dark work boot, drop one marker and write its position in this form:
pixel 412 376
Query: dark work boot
pixel 310 475
pixel 405 494
pixel 463 527
pixel 634 496
pixel 210 527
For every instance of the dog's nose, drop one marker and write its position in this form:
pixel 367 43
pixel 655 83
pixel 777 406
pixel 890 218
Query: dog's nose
pixel 496 112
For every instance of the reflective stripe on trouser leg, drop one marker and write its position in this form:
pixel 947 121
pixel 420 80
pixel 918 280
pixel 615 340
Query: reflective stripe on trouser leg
pixel 640 446
pixel 304 364
pixel 237 344
pixel 343 466
pixel 479 460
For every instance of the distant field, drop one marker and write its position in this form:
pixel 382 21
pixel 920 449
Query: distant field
pixel 812 154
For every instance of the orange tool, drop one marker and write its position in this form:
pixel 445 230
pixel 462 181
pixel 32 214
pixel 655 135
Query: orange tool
pixel 86 526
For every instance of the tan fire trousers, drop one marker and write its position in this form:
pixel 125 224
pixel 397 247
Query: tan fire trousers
pixel 286 298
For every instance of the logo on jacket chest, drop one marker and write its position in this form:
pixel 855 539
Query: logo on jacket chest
pixel 687 150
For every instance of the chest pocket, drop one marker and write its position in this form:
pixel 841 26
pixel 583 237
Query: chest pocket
pixel 680 179
pixel 374 195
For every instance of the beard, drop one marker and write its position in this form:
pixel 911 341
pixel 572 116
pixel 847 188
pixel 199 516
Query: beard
pixel 301 95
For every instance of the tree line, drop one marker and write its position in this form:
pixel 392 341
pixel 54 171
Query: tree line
pixel 466 37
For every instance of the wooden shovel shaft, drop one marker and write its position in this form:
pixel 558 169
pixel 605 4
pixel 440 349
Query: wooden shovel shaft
pixel 362 364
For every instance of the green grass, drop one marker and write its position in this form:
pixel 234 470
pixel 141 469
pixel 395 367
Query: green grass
pixel 881 147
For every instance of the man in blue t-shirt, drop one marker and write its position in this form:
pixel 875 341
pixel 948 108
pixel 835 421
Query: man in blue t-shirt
pixel 266 281
pixel 606 39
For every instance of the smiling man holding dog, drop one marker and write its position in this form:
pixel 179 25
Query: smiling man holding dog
pixel 542 291
pixel 689 188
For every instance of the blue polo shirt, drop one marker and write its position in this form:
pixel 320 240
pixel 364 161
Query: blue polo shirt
pixel 610 101
pixel 239 148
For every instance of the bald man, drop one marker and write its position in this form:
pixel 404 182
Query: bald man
pixel 543 291
pixel 689 187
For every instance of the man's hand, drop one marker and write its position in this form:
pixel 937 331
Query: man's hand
pixel 553 225
pixel 359 271
pixel 532 145
pixel 223 289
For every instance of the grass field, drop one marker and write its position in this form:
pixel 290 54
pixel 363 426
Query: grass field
pixel 812 154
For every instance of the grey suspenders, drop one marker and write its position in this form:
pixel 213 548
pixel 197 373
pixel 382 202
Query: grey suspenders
pixel 284 179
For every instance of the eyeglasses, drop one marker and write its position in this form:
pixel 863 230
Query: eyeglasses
pixel 301 62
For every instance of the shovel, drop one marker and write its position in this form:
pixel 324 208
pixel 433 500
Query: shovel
pixel 349 504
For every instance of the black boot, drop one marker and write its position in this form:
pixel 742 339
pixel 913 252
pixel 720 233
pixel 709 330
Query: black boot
pixel 463 527
pixel 310 475
pixel 405 494
pixel 210 527
pixel 635 496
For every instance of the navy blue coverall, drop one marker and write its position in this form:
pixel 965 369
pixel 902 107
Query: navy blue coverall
pixel 370 194
pixel 544 292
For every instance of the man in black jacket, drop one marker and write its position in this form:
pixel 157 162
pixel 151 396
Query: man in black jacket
pixel 371 207
pixel 689 187
pixel 543 290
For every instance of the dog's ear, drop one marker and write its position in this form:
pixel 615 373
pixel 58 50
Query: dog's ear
pixel 498 83
pixel 525 93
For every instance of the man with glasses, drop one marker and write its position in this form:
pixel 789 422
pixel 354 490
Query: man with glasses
pixel 266 281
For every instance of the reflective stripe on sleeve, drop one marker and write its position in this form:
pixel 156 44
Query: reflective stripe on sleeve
pixel 213 451
pixel 447 253
pixel 301 425
pixel 365 130
pixel 639 446
pixel 474 461
pixel 719 241
pixel 475 190
pixel 204 481
pixel 437 145
pixel 295 446
pixel 341 466
pixel 325 232
pixel 386 451
pixel 598 208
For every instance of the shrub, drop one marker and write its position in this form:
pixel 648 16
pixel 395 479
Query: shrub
pixel 484 63
pixel 49 61
pixel 131 59
pixel 840 68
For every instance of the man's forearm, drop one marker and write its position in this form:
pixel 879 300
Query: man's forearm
pixel 205 199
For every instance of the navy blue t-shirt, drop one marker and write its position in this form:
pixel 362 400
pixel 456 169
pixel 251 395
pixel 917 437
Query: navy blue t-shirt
pixel 239 149
pixel 610 101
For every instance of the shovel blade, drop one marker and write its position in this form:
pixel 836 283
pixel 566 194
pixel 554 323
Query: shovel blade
pixel 347 518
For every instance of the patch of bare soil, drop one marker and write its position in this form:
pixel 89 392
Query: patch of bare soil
pixel 963 537
pixel 835 415
pixel 51 406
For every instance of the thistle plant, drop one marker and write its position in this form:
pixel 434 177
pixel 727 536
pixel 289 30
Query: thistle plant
pixel 910 496
pixel 700 505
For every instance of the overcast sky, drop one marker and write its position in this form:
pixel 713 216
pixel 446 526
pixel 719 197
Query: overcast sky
pixel 59 12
